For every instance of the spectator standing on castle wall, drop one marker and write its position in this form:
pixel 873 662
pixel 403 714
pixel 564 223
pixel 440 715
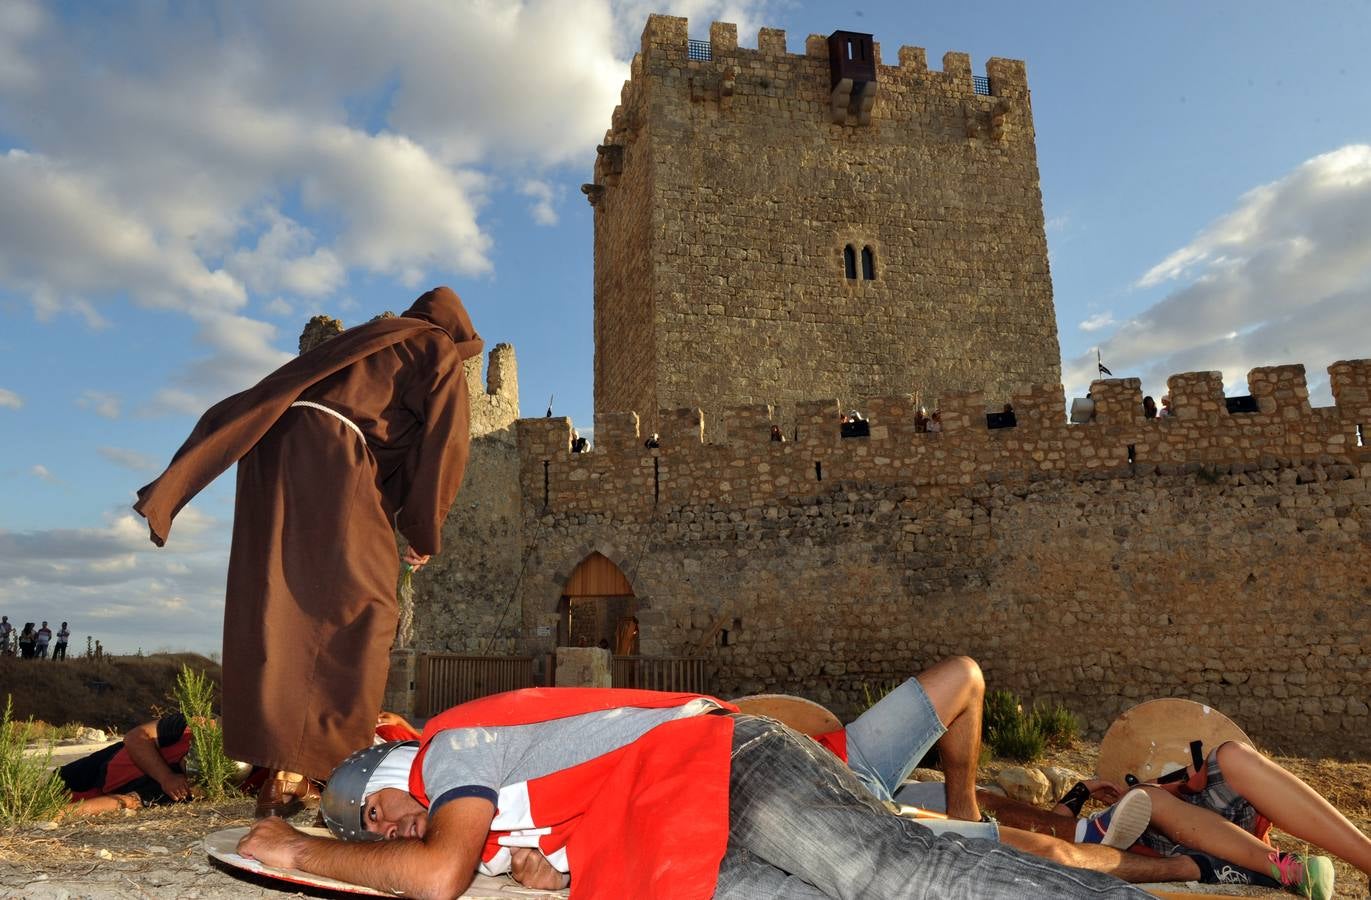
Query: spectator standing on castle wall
pixel 935 422
pixel 1149 408
pixel 41 639
pixel 59 650
pixel 1165 411
pixel 776 434
pixel 365 433
pixel 6 636
pixel 920 420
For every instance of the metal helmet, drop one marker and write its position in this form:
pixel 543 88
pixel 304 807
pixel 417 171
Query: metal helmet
pixel 345 792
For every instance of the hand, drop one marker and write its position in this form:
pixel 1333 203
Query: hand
pixel 271 841
pixel 1105 791
pixel 414 560
pixel 531 869
pixel 176 787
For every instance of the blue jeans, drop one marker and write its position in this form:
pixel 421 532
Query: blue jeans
pixel 887 741
pixel 802 826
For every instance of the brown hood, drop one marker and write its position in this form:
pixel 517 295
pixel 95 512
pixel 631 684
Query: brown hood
pixel 442 307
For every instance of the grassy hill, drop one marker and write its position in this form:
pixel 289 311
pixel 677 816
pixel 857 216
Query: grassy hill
pixel 114 693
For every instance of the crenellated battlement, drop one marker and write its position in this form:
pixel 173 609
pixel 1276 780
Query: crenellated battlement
pixel 769 76
pixel 734 463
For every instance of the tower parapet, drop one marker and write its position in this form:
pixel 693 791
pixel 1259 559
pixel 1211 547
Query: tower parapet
pixel 623 478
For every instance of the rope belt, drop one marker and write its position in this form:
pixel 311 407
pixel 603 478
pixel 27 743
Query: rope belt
pixel 333 412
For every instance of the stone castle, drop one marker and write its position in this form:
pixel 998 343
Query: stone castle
pixel 779 238
pixel 772 227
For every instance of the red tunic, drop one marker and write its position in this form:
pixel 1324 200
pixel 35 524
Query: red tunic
pixel 647 820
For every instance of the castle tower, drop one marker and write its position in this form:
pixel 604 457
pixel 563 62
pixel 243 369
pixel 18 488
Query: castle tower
pixel 773 227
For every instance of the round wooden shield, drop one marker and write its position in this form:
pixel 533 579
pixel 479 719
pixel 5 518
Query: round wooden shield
pixel 223 846
pixel 1153 739
pixel 805 716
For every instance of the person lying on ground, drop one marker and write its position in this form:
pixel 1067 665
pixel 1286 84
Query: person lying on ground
pixel 144 769
pixel 637 794
pixel 147 768
pixel 1218 820
pixel 941 707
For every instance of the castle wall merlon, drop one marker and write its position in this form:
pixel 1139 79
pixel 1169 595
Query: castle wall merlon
pixel 617 431
pixel 665 33
pixel 1350 380
pixel 681 427
pixel 771 41
pixel 1281 391
pixel 1008 77
pixel 957 65
pixel 914 60
pixel 1197 395
pixel 544 438
pixel 723 38
pixel 1118 401
pixel 748 423
pixel 816 423
pixel 963 411
pixel 1038 405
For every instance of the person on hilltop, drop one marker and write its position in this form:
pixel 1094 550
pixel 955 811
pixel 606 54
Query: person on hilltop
pixel 26 639
pixel 59 650
pixel 6 636
pixel 41 638
pixel 362 435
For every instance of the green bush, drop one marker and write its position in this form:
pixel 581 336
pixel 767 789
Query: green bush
pixel 1002 710
pixel 29 790
pixel 871 696
pixel 209 767
pixel 1058 725
pixel 1021 742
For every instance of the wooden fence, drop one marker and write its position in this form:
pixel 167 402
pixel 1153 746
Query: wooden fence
pixel 662 673
pixel 446 679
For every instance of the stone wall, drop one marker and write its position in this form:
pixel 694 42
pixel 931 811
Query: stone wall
pixel 725 195
pixel 1223 557
pixel 458 595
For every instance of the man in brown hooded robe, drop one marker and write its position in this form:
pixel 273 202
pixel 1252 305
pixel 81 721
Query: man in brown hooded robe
pixel 362 435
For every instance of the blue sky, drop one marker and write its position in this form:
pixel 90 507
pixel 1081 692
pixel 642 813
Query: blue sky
pixel 182 185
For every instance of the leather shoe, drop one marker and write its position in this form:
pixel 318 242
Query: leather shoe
pixel 284 794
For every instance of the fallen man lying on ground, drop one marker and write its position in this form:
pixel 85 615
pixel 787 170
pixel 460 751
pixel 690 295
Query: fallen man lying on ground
pixel 644 794
pixel 147 768
pixel 1211 826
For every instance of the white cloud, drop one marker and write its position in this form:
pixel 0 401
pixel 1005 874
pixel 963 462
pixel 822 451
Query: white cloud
pixel 130 459
pixel 1285 277
pixel 9 399
pixel 1098 321
pixel 542 209
pixel 279 306
pixel 112 583
pixel 102 404
pixel 41 472
pixel 241 353
pixel 286 258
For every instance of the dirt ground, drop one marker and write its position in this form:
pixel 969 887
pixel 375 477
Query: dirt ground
pixel 156 853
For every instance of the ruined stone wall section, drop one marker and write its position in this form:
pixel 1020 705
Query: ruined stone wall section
pixel 457 596
pixel 494 400
pixel 753 193
pixel 623 478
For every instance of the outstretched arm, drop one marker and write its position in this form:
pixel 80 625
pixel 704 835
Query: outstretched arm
pixel 440 865
pixel 141 744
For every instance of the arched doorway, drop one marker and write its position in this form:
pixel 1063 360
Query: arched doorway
pixel 598 608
